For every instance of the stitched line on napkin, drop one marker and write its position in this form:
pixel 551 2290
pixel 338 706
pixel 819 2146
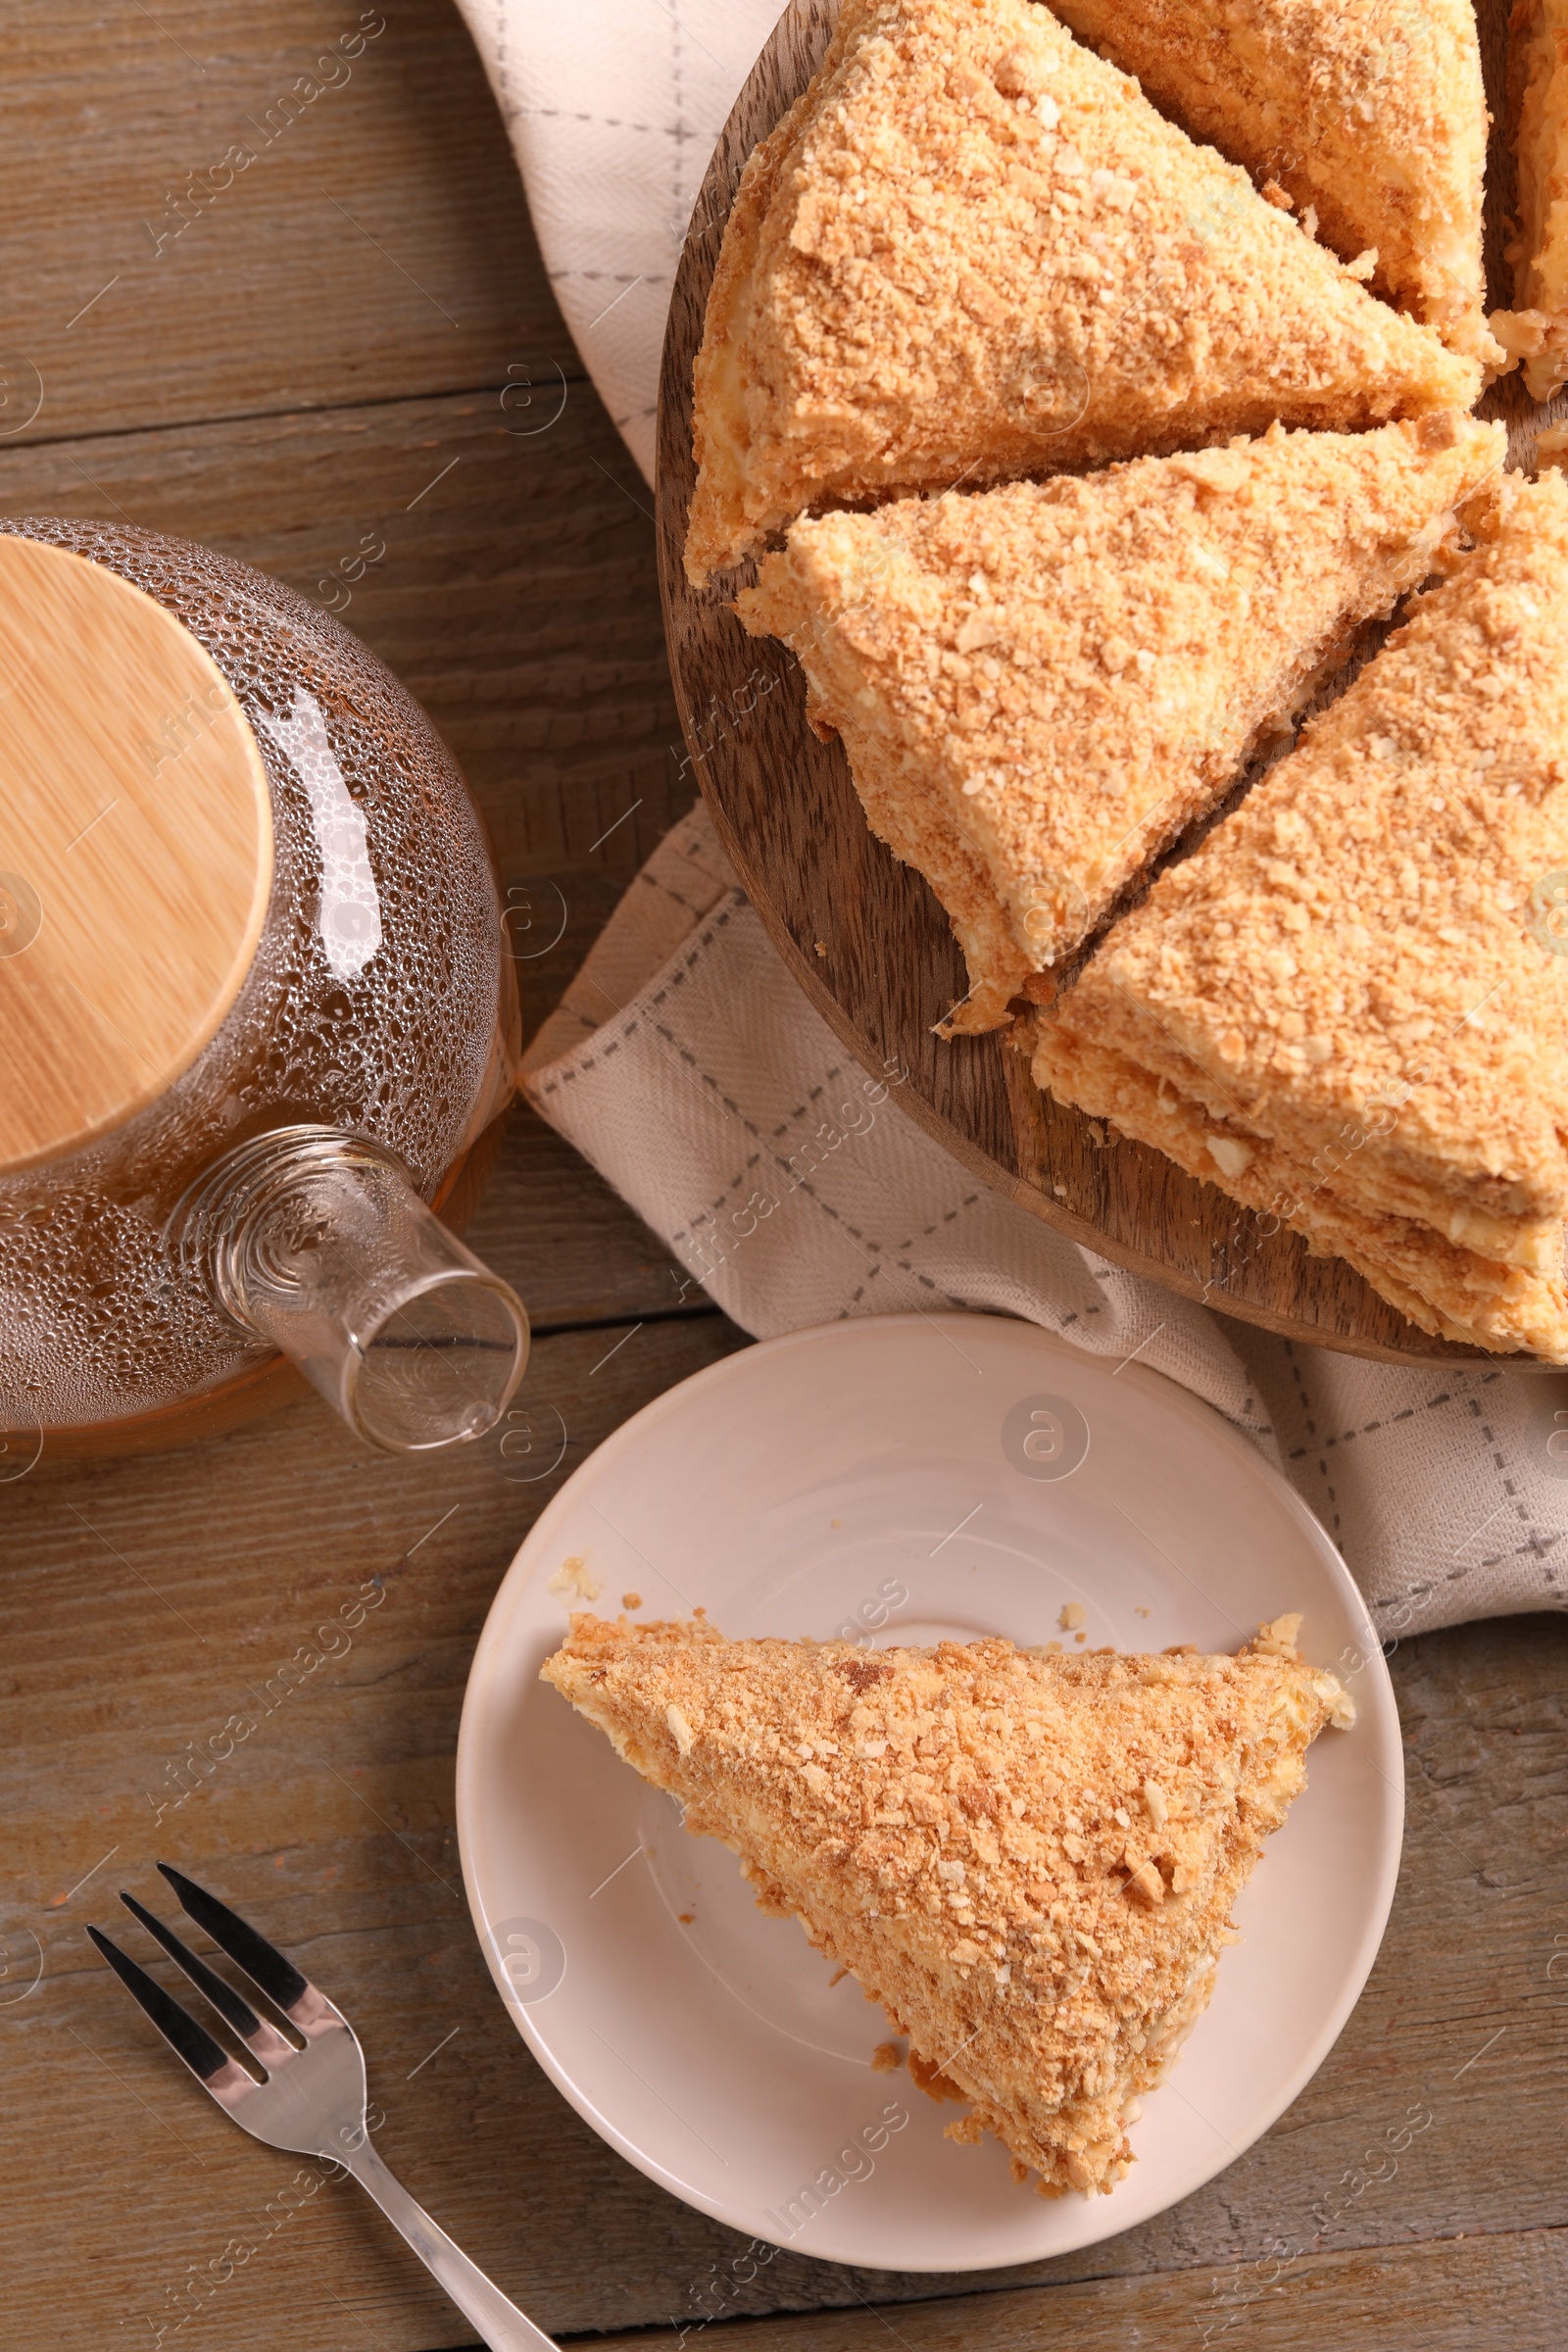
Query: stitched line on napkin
pixel 1533 1543
pixel 692 1230
pixel 704 1078
pixel 782 1164
pixel 666 890
pixel 713 1090
pixel 615 277
pixel 1259 1429
pixel 677 77
pixel 633 1022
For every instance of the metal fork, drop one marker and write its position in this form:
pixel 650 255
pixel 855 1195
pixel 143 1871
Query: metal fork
pixel 310 2101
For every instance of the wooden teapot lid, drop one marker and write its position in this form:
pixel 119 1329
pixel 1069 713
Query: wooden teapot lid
pixel 135 850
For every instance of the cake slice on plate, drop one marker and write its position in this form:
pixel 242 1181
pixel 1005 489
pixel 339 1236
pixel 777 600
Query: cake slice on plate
pixel 1373 119
pixel 1028 1859
pixel 1349 1009
pixel 1040 686
pixel 972 250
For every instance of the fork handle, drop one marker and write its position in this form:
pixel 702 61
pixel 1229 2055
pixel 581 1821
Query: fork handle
pixel 501 2325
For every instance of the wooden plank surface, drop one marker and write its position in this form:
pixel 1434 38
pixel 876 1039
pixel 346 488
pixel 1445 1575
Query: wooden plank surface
pixel 282 405
pixel 149 1613
pixel 515 598
pixel 1445 2298
pixel 201 1666
pixel 375 245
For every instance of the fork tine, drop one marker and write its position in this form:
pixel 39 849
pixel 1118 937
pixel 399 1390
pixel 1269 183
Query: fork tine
pixel 261 1961
pixel 206 2058
pixel 262 2038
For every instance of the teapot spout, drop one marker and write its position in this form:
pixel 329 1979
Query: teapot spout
pixel 316 1242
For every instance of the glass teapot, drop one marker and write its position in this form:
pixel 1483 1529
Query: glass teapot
pixel 256 1013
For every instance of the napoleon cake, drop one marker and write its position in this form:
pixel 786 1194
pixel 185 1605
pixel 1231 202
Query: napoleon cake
pixel 1041 685
pixel 972 251
pixel 1538 73
pixel 1369 122
pixel 1028 1859
pixel 1347 1007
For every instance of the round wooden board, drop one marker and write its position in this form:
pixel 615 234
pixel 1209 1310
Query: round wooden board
pixel 787 812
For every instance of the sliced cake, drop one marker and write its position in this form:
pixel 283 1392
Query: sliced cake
pixel 1039 686
pixel 972 251
pixel 1369 122
pixel 1029 1860
pixel 1348 1007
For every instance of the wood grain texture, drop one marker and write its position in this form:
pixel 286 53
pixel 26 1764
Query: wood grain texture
pixel 516 598
pixel 148 1610
pixel 377 245
pixel 145 1602
pixel 1448 2297
pixel 866 937
pixel 568 1245
pixel 134 902
pixel 149 1605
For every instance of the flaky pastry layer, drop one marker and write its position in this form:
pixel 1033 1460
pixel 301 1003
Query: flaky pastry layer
pixel 1370 112
pixel 1029 1860
pixel 1349 1006
pixel 1040 686
pixel 973 250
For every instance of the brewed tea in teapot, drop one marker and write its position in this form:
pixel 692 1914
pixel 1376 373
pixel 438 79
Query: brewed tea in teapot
pixel 256 1011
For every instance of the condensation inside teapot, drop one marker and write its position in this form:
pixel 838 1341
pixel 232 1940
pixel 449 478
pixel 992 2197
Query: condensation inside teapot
pixel 377 1002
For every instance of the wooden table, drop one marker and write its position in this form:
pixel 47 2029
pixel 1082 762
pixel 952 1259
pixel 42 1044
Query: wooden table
pixel 322 354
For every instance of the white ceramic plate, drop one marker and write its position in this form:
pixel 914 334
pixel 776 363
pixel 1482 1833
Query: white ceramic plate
pixel 912 1477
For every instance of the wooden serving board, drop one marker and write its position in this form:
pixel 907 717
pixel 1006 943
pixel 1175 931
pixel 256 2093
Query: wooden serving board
pixel 866 937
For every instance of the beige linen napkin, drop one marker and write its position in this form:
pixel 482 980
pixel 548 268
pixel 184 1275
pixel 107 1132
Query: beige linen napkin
pixel 615 107
pixel 685 1063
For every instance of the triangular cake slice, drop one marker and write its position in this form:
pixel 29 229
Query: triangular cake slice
pixel 972 251
pixel 1041 685
pixel 1349 1009
pixel 1373 119
pixel 1028 1859
pixel 1537 77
